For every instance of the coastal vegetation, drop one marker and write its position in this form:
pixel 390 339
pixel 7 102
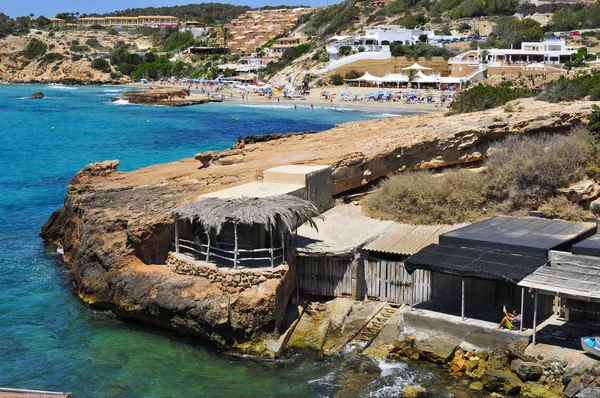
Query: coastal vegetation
pixel 34 49
pixel 485 96
pixel 522 174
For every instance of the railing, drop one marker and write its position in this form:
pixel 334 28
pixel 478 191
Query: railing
pixel 243 254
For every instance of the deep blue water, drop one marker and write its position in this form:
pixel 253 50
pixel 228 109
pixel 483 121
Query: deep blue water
pixel 49 339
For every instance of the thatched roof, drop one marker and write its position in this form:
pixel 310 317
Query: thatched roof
pixel 213 213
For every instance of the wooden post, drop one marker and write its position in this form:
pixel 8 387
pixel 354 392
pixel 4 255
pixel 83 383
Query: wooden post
pixel 462 304
pixel 522 307
pixel 282 245
pixel 208 246
pixel 176 235
pixel 535 302
pixel 271 251
pixel 412 291
pixel 235 247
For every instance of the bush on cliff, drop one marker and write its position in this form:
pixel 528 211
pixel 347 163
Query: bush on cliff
pixel 101 65
pixel 523 173
pixel 34 49
pixel 577 88
pixel 484 96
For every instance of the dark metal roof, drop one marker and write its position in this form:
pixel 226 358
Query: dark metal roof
pixel 528 235
pixel 588 247
pixel 474 263
pixel 404 239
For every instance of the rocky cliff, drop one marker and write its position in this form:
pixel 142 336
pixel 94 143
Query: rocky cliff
pixel 116 232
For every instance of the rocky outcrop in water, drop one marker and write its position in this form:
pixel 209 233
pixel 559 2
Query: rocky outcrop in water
pixel 165 96
pixel 116 231
pixel 39 95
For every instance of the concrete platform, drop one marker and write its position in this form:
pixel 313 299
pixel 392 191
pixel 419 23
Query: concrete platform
pixel 343 229
pixel 292 174
pixel 475 331
pixel 257 190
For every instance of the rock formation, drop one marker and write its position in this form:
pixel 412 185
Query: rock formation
pixel 116 232
pixel 39 95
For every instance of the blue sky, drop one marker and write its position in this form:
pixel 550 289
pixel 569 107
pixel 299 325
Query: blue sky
pixel 50 8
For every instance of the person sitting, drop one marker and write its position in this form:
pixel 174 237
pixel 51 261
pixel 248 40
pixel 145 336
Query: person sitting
pixel 240 144
pixel 511 321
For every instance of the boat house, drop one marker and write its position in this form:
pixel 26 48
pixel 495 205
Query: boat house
pixel 484 263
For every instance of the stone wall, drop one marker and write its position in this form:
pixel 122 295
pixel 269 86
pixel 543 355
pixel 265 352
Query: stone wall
pixel 228 280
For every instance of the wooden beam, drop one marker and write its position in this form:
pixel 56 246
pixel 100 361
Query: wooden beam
pixel 235 247
pixel 290 331
pixel 208 247
pixel 522 308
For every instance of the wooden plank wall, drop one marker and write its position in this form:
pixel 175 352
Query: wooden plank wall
pixel 325 276
pixel 387 280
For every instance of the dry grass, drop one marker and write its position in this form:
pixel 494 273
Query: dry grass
pixel 523 172
pixel 564 208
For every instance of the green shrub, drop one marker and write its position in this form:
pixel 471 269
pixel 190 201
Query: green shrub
pixel 484 96
pixel 94 43
pixel 353 74
pixel 76 57
pixel 112 32
pixel 50 58
pixel 101 65
pixel 79 48
pixel 522 173
pixel 35 48
pixel 337 79
pixel 564 89
pixel 419 49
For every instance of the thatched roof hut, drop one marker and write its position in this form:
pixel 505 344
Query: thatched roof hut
pixel 286 211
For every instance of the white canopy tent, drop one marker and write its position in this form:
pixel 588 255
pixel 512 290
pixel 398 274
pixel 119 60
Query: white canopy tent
pixel 395 78
pixel 367 77
pixel 416 66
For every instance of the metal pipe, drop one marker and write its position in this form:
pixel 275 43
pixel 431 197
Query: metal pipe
pixel 462 307
pixel 235 247
pixel 522 308
pixel 176 236
pixel 535 302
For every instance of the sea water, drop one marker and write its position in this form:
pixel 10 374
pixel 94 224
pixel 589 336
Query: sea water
pixel 49 339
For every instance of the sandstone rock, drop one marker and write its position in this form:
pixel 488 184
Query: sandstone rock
pixel 517 349
pixel 476 386
pixel 589 392
pixel 527 371
pixel 577 384
pixel 538 390
pixel 595 207
pixel 39 95
pixel 581 191
pixel 414 392
pixel 437 349
pixel 204 158
pixel 404 350
pixel 458 364
pixel 501 381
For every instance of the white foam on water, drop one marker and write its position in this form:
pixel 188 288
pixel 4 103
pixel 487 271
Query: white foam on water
pixel 119 102
pixel 389 368
pixel 114 91
pixel 384 115
pixel 327 380
pixel 60 250
pixel 60 87
pixel 271 106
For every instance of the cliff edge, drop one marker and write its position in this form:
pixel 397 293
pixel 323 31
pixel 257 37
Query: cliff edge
pixel 116 232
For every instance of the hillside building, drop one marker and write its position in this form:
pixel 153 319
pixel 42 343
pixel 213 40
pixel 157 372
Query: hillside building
pixel 251 30
pixel 152 21
pixel 58 23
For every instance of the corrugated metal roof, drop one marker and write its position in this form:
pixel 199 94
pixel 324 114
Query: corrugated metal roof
pixel 404 239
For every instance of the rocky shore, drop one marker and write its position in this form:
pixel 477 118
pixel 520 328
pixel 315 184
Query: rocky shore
pixel 116 231
pixel 165 96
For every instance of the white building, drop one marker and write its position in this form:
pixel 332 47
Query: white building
pixel 550 51
pixel 376 38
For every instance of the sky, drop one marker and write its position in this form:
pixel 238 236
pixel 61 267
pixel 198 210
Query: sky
pixel 49 8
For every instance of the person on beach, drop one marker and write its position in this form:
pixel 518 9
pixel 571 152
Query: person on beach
pixel 312 107
pixel 240 144
pixel 511 321
pixel 295 107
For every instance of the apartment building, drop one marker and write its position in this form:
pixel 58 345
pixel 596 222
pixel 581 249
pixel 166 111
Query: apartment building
pixel 251 30
pixel 282 44
pixel 152 21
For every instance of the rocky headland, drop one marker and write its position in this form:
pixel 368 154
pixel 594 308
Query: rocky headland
pixel 117 234
pixel 166 96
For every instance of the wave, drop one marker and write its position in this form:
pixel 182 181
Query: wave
pixel 119 102
pixel 272 106
pixel 60 87
pixel 383 115
pixel 112 90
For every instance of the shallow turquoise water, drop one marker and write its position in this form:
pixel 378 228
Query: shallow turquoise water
pixel 49 339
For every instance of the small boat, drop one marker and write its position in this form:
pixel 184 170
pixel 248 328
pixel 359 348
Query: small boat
pixel 591 345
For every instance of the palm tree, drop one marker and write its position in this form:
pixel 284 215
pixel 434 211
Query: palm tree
pixel 412 73
pixel 31 15
pixel 227 36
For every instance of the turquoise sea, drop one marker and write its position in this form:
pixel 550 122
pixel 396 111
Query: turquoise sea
pixel 49 339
